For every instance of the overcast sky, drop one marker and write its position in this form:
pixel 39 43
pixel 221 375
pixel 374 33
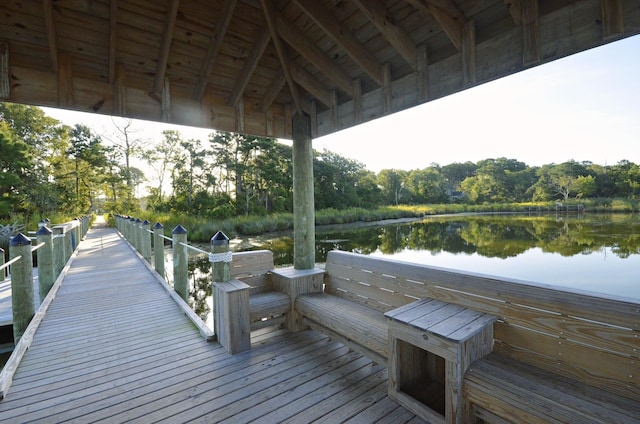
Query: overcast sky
pixel 585 107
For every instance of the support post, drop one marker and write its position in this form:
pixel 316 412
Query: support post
pixel 3 272
pixel 231 299
pixel 137 226
pixel 21 285
pixel 145 242
pixel 158 249
pixel 303 199
pixel 59 255
pixel 46 276
pixel 180 263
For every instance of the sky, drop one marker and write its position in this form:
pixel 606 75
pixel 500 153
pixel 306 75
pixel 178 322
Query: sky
pixel 585 107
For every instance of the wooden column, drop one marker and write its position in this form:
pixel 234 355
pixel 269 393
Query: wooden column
pixel 304 237
pixel 3 272
pixel 180 263
pixel 21 285
pixel 231 299
pixel 158 249
pixel 145 240
pixel 5 87
pixel 46 276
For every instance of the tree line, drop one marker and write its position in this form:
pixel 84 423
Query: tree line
pixel 50 167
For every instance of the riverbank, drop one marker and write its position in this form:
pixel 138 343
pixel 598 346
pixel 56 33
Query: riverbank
pixel 201 229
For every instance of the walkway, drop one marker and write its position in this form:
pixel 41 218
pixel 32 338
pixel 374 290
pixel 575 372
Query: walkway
pixel 114 347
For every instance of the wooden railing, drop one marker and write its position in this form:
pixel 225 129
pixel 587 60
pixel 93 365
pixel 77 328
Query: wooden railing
pixel 150 245
pixel 54 248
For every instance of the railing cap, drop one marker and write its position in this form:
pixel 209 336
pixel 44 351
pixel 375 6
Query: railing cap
pixel 19 240
pixel 219 239
pixel 44 231
pixel 179 230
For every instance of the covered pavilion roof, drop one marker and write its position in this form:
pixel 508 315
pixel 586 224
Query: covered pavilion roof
pixel 250 65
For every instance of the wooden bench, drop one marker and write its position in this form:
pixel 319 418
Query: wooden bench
pixel 267 306
pixel 548 341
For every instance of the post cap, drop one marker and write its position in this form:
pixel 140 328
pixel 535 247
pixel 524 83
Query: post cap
pixel 138 221
pixel 158 226
pixel 44 231
pixel 146 222
pixel 19 240
pixel 219 239
pixel 179 230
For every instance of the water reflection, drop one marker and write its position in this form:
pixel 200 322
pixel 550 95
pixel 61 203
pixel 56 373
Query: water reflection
pixel 524 247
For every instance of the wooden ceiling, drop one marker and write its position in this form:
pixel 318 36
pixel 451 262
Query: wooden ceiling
pixel 249 65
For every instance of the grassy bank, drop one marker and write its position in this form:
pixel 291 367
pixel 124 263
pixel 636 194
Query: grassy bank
pixel 202 229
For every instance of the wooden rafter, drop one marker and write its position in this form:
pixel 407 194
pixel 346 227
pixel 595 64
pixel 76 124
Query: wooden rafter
pixel 270 16
pixel 51 33
pixel 448 16
pixel 514 10
pixel 397 37
pixel 530 31
pixel 113 39
pixel 167 37
pixel 250 65
pixel 311 84
pixel 224 18
pixel 343 36
pixel 310 51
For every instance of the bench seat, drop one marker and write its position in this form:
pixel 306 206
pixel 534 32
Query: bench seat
pixel 357 326
pixel 267 307
pixel 513 391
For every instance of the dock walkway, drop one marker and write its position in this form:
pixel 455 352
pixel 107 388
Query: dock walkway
pixel 113 346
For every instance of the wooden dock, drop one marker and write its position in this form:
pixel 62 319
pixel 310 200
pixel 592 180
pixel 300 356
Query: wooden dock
pixel 113 346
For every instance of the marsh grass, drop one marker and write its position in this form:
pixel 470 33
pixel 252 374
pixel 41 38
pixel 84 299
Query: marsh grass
pixel 201 229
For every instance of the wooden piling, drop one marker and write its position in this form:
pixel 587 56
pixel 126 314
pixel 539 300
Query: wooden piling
pixel 22 297
pixel 158 249
pixel 3 272
pixel 145 240
pixel 304 238
pixel 59 254
pixel 46 275
pixel 180 262
pixel 230 299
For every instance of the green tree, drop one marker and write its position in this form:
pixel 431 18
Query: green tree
pixel 14 163
pixel 427 186
pixel 161 159
pixel 392 184
pixel 89 159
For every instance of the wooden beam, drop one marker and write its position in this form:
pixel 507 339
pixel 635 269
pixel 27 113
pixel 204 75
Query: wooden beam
pixel 224 18
pixel 469 53
pixel 311 84
pixel 400 40
pixel 5 87
pixel 612 19
pixel 119 92
pixel 272 92
pixel 240 116
pixel 514 10
pixel 165 47
pixel 357 100
pixel 386 89
pixel 343 37
pixel 259 46
pixel 166 101
pixel 448 16
pixel 51 33
pixel 113 40
pixel 530 32
pixel 270 16
pixel 422 74
pixel 310 51
pixel 65 81
pixel 334 109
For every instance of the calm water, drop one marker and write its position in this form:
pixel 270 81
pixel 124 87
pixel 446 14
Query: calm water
pixel 599 253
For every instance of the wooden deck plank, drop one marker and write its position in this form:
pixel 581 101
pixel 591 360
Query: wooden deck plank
pixel 114 347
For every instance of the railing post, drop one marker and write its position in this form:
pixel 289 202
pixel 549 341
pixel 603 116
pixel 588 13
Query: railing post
pixel 3 273
pixel 68 245
pixel 130 231
pixel 46 276
pixel 78 231
pixel 158 249
pixel 137 225
pixel 59 255
pixel 180 262
pixel 21 285
pixel 230 299
pixel 145 244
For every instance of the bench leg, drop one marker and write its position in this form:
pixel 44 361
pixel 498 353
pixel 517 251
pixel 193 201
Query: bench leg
pixel 295 282
pixel 231 319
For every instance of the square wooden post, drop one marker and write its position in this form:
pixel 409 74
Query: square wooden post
pixel 295 282
pixel 231 319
